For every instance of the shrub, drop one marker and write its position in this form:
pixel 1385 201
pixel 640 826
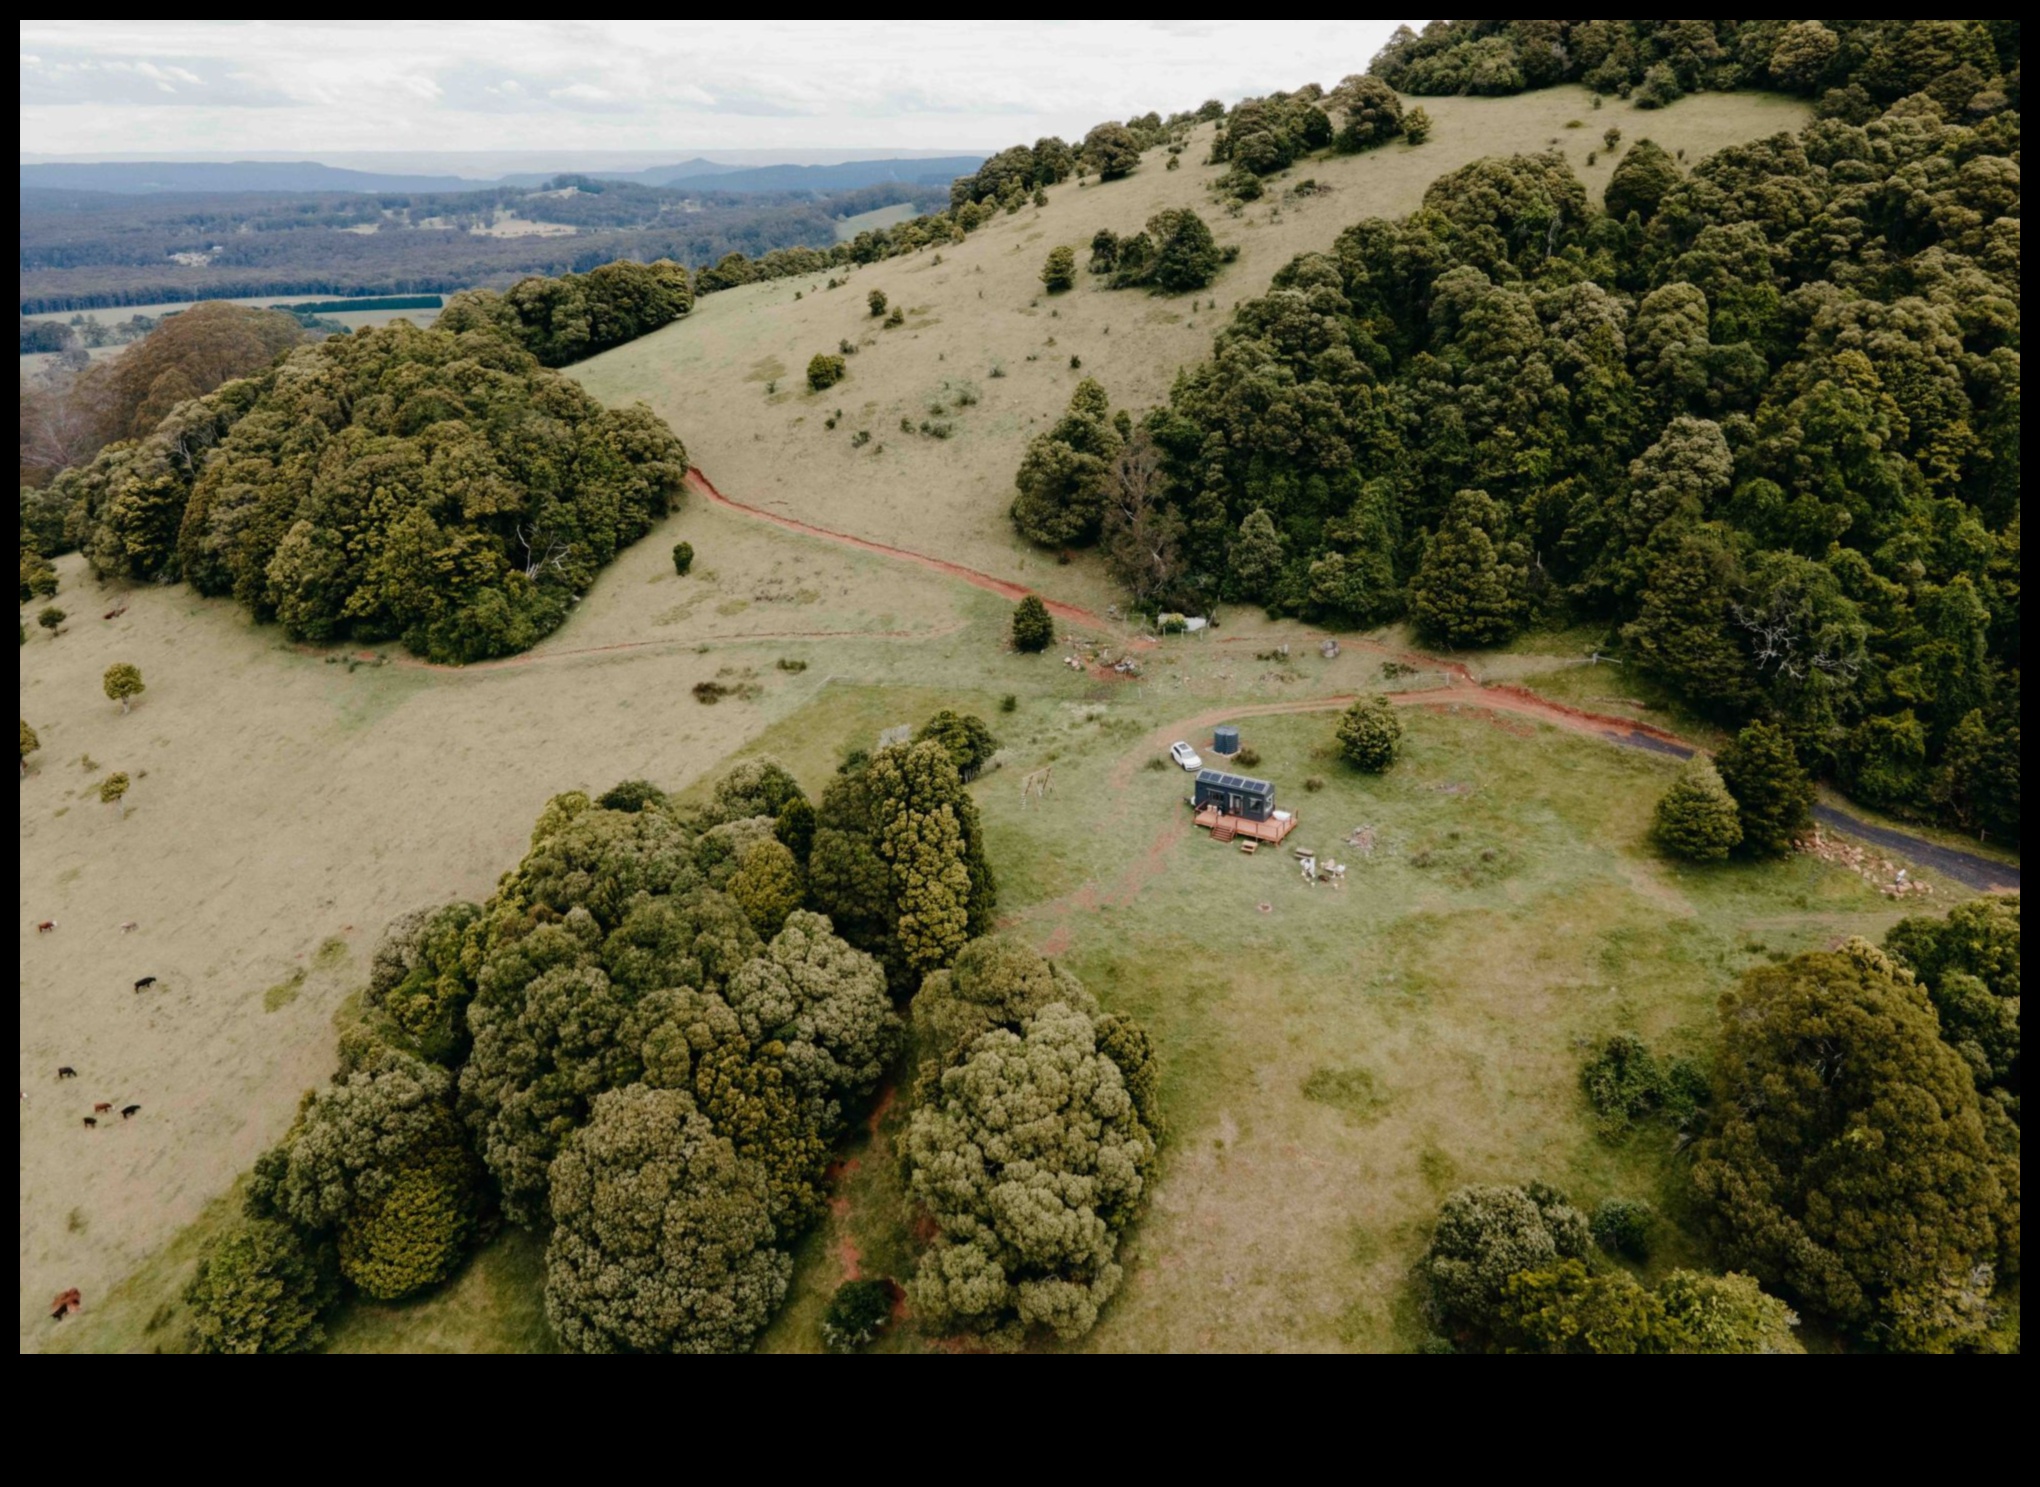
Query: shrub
pixel 1696 818
pixel 1370 734
pixel 790 663
pixel 1059 271
pixel 1416 126
pixel 1007 704
pixel 51 617
pixel 709 693
pixel 897 318
pixel 1033 627
pixel 876 299
pixel 1314 783
pixel 260 1288
pixel 1622 1226
pixel 825 371
pixel 1625 1082
pixel 1486 1234
pixel 857 1313
pixel 1248 758
pixel 683 557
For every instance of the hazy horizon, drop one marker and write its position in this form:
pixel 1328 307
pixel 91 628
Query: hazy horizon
pixel 802 91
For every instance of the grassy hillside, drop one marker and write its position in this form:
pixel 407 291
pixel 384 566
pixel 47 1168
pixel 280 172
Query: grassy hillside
pixel 983 307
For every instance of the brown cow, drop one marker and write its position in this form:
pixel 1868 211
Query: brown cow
pixel 103 1107
pixel 46 926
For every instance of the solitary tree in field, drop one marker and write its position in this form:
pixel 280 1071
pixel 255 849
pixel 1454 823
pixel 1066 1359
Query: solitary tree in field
pixel 29 744
pixel 123 683
pixel 1416 126
pixel 113 791
pixel 1370 734
pixel 876 299
pixel 683 557
pixel 1060 271
pixel 824 371
pixel 1696 817
pixel 1032 627
pixel 51 618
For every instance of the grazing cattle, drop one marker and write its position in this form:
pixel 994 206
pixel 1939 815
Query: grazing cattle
pixel 67 1072
pixel 145 983
pixel 128 1112
pixel 46 926
pixel 114 614
pixel 66 1302
pixel 102 1107
pixel 91 1124
pixel 128 928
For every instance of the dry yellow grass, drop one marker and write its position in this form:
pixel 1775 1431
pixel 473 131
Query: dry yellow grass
pixel 984 306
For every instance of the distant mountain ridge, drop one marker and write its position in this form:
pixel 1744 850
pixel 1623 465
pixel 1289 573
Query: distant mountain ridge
pixel 149 177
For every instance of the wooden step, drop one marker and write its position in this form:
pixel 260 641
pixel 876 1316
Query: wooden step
pixel 1249 846
pixel 1224 831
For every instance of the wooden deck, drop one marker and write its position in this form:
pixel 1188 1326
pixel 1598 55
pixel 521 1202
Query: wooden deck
pixel 1224 828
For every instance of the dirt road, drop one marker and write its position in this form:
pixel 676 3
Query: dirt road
pixel 1462 690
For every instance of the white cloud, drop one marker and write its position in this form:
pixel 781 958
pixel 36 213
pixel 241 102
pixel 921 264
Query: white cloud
pixel 531 84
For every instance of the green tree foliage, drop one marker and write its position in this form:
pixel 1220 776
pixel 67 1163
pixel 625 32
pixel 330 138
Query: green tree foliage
pixel 1790 488
pixel 795 827
pixel 1063 477
pixel 113 791
pixel 857 1313
pixel 1465 592
pixel 824 1004
pixel 1969 964
pixel 1029 1158
pixel 1033 627
pixel 1059 271
pixel 261 1288
pixel 186 356
pixel 1485 1235
pixel 1263 135
pixel 574 316
pixel 967 738
pixel 1696 818
pixel 767 886
pixel 123 683
pixel 995 983
pixel 1175 255
pixel 756 787
pixel 1370 734
pixel 1773 794
pixel 1623 1226
pixel 1567 1308
pixel 661 1238
pixel 29 745
pixel 1850 1163
pixel 419 979
pixel 38 574
pixel 379 1160
pixel 1111 150
pixel 825 371
pixel 1374 114
pixel 898 861
pixel 1625 1083
pixel 877 301
pixel 1417 125
pixel 683 558
pixel 51 618
pixel 462 515
pixel 748 1097
pixel 1640 181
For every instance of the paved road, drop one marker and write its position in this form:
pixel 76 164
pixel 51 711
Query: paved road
pixel 1964 867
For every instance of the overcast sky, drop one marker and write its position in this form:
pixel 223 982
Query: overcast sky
pixel 212 87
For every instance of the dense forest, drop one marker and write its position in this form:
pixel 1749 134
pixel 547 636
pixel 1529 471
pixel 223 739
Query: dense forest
pixel 81 249
pixel 646 1045
pixel 1757 415
pixel 439 488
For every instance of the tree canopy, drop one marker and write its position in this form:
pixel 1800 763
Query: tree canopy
pixel 1850 1163
pixel 438 488
pixel 571 317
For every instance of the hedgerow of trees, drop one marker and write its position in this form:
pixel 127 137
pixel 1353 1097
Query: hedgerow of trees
pixel 440 489
pixel 1762 424
pixel 573 316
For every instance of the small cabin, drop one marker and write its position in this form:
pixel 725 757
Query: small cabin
pixel 1234 795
